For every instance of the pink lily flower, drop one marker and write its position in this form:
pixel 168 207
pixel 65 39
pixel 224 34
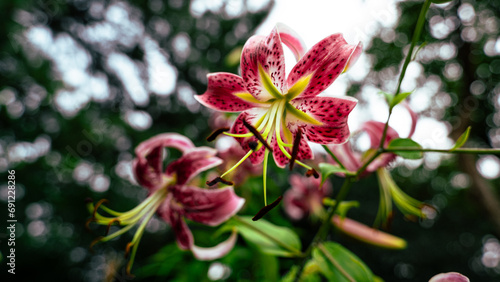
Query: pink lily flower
pixel 280 114
pixel 173 198
pixel 449 277
pixel 353 160
pixel 305 197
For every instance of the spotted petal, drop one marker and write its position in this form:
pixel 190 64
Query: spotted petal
pixel 332 112
pixel 322 64
pixel 148 164
pixel 192 163
pixel 182 232
pixel 224 93
pixel 263 66
pixel 207 206
pixel 304 152
pixel 238 128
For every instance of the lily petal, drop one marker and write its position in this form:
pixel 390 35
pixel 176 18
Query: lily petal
pixel 239 128
pixel 346 156
pixel 217 251
pixel 332 112
pixel 292 40
pixel 207 206
pixel 147 166
pixel 221 94
pixel 182 232
pixel 449 277
pixel 375 130
pixel 192 163
pixel 262 59
pixel 325 61
pixel 354 56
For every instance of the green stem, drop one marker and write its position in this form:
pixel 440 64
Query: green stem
pixel 270 237
pixel 449 151
pixel 416 36
pixel 325 226
pixel 333 156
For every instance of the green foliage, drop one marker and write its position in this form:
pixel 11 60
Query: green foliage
pixel 337 263
pixel 268 238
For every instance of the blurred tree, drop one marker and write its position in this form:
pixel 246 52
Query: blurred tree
pixel 454 77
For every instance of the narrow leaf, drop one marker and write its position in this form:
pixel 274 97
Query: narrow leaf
pixel 337 263
pixel 388 97
pixel 462 139
pixel 267 237
pixel 399 98
pixel 409 148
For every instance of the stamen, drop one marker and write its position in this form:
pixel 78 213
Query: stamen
pixel 295 148
pixel 102 201
pixel 87 223
pixel 217 180
pixel 312 172
pixel 267 209
pixel 257 134
pixel 253 145
pixel 114 220
pixel 216 133
pixel 127 249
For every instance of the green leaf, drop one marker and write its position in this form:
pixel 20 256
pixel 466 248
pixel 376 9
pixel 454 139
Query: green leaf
pixel 406 145
pixel 388 97
pixel 327 169
pixel 267 237
pixel 337 263
pixel 399 98
pixel 462 139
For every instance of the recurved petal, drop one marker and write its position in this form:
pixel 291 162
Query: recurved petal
pixel 147 165
pixel 207 206
pixel 331 112
pixel 263 66
pixel 322 64
pixel 292 40
pixel 375 130
pixel 239 128
pixel 222 91
pixel 217 251
pixel 192 163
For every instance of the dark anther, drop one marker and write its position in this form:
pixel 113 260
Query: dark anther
pixel 127 249
pixel 87 223
pixel 312 172
pixel 295 148
pixel 257 135
pixel 216 133
pixel 115 220
pixel 253 145
pixel 102 201
pixel 266 209
pixel 217 180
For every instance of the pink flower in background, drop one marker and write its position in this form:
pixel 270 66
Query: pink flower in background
pixel 280 114
pixel 173 198
pixel 353 160
pixel 305 196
